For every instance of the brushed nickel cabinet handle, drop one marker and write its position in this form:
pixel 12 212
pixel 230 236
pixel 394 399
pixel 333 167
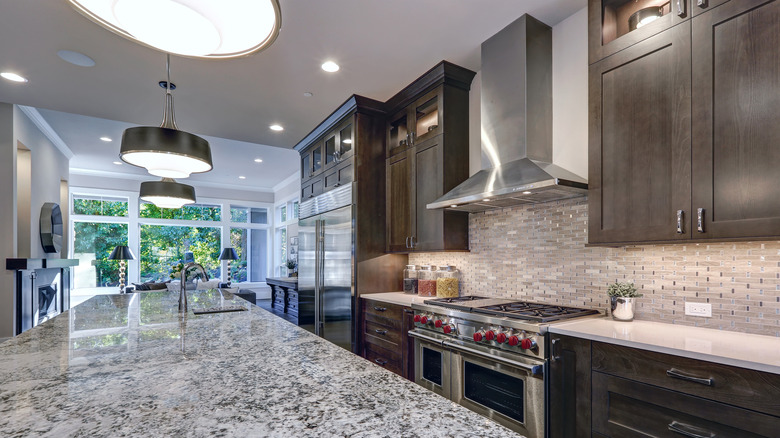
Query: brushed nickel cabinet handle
pixel 680 215
pixel 380 362
pixel 680 8
pixel 700 220
pixel 554 357
pixel 690 431
pixel 407 242
pixel 701 3
pixel 408 311
pixel 380 309
pixel 381 332
pixel 677 374
pixel 412 242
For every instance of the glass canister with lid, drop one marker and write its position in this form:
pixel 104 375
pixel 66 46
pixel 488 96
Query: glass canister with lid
pixel 410 279
pixel 426 281
pixel 447 282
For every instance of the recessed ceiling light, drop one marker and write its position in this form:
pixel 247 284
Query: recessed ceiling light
pixel 308 94
pixel 106 139
pixel 330 67
pixel 276 128
pixel 76 58
pixel 347 141
pixel 241 177
pixel 13 77
pixel 258 160
pixel 223 29
pixel 526 193
pixel 118 163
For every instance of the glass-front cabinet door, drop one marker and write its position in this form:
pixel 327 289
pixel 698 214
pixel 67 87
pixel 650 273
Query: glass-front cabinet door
pixel 331 154
pixel 346 141
pixel 427 117
pixel 398 133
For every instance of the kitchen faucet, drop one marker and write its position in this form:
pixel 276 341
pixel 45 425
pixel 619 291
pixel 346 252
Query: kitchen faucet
pixel 183 292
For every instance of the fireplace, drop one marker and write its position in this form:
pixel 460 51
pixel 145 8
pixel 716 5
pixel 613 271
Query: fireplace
pixel 42 290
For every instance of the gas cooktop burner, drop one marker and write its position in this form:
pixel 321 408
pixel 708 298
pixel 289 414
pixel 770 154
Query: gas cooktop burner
pixel 535 311
pixel 454 299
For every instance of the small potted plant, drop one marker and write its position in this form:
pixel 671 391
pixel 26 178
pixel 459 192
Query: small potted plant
pixel 621 296
pixel 291 265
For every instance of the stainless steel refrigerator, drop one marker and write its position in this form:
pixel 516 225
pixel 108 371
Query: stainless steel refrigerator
pixel 326 265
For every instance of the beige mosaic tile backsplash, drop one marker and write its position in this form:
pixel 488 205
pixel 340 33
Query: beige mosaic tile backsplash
pixel 538 253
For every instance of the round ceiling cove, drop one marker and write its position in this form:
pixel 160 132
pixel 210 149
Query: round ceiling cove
pixel 51 228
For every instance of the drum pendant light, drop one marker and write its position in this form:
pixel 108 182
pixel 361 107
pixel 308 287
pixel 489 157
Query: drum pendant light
pixel 167 193
pixel 166 151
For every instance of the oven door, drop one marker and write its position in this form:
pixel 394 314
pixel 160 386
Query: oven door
pixel 505 387
pixel 431 363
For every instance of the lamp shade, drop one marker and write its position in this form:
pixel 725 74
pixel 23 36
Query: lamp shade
pixel 228 254
pixel 121 252
pixel 167 193
pixel 165 152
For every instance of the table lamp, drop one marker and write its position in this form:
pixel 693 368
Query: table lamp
pixel 228 254
pixel 121 253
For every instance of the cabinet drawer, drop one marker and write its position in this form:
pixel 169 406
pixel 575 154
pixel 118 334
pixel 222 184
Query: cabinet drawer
pixel 749 389
pixel 382 310
pixel 292 296
pixel 386 334
pixel 625 408
pixel 383 357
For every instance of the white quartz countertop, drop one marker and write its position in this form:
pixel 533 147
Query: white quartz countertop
pixel 131 365
pixel 399 298
pixel 744 350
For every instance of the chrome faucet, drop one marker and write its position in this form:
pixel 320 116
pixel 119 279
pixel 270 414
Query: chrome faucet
pixel 183 307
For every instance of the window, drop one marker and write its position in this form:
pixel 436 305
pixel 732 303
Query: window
pixel 286 229
pixel 92 244
pixel 194 212
pixel 163 247
pixel 248 215
pixel 295 210
pixel 283 214
pixel 99 205
pixel 250 246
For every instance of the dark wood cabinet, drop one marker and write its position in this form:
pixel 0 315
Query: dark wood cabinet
pixel 427 155
pixel 606 390
pixel 640 141
pixel 736 83
pixel 569 406
pixel 385 336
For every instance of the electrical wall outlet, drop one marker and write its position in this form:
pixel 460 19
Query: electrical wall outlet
pixel 699 309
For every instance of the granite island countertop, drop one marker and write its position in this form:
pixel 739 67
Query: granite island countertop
pixel 131 365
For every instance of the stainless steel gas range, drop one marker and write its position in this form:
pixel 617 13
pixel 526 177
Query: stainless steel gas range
pixel 489 355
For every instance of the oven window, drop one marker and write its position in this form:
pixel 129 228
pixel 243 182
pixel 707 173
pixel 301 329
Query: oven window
pixel 431 366
pixel 497 391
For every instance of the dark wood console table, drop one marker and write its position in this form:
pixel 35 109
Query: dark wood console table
pixel 286 298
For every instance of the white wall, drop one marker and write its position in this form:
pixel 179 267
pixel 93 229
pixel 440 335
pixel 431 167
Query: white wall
pixel 570 99
pixel 7 217
pixel 570 93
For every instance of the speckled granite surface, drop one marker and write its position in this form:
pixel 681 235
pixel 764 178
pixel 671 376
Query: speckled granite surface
pixel 128 365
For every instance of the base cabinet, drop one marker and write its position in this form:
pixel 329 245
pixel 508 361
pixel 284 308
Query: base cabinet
pixel 605 390
pixel 385 339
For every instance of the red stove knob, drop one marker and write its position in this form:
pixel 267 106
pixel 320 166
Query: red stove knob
pixel 513 340
pixel 449 328
pixel 490 335
pixel 501 338
pixel 417 318
pixel 423 320
pixel 527 344
pixel 477 336
pixel 438 323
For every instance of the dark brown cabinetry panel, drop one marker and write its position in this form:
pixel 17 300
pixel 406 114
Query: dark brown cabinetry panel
pixel 569 403
pixel 625 408
pixel 639 155
pixel 399 202
pixel 736 83
pixel 385 336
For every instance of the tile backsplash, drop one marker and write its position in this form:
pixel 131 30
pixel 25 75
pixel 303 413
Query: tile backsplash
pixel 538 253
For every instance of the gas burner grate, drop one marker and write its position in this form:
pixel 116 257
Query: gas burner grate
pixel 535 312
pixel 454 300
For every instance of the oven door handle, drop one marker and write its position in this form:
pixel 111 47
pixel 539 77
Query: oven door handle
pixel 533 369
pixel 423 337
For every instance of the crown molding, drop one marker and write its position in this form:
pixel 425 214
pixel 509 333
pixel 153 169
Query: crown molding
pixel 46 129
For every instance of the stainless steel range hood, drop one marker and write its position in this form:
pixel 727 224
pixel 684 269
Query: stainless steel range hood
pixel 516 110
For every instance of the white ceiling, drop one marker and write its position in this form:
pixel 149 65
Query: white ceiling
pixel 381 46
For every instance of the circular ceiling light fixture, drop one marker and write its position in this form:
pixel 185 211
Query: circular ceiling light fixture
pixel 644 17
pixel 13 77
pixel 330 67
pixel 276 128
pixel 167 193
pixel 106 139
pixel 194 28
pixel 165 151
pixel 258 160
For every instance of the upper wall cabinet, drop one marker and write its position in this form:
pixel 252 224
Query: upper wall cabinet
pixel 427 155
pixel 683 134
pixel 618 24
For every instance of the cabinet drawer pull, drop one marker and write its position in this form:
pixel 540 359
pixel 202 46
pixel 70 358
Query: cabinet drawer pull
pixel 380 309
pixel 700 220
pixel 408 311
pixel 677 374
pixel 690 431
pixel 407 242
pixel 680 7
pixel 554 356
pixel 680 216
pixel 381 332
pixel 380 362
pixel 701 3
